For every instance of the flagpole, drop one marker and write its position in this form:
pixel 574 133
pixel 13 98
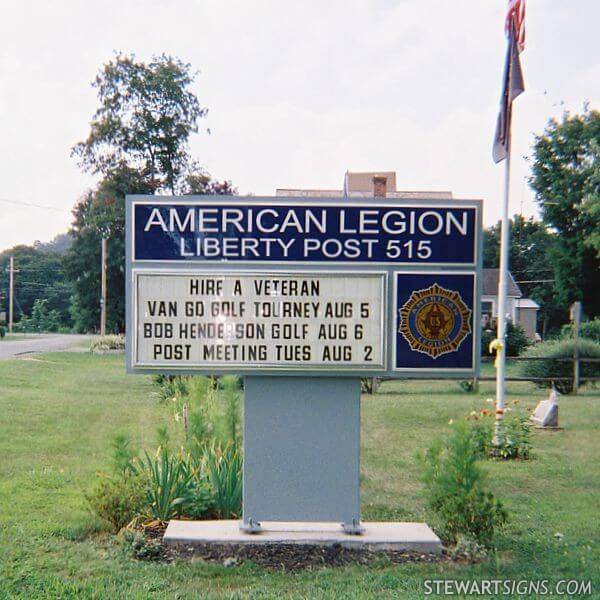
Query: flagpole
pixel 502 292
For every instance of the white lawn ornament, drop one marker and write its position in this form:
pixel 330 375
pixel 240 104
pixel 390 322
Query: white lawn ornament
pixel 546 412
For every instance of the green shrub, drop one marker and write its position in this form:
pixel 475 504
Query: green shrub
pixel 223 466
pixel 107 343
pixel 588 329
pixel 456 490
pixel 514 436
pixel 559 369
pixel 467 385
pixel 487 337
pixel 203 498
pixel 123 455
pixel 467 549
pixel 137 544
pixel 169 387
pixel 118 499
pixel 42 319
pixel 516 340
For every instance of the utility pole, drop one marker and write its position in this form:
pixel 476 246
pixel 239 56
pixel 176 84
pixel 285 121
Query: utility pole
pixel 103 298
pixel 11 294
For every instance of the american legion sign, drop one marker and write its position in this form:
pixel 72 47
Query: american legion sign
pixel 303 297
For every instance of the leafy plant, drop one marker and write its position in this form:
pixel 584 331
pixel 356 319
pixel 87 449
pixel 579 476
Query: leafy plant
pixel 232 425
pixel 107 343
pixel 514 439
pixel 589 330
pixel 516 340
pixel 42 318
pixel 223 466
pixel 467 385
pixel 468 549
pixel 169 485
pixel 137 544
pixel 164 439
pixel 118 499
pixel 561 370
pixel 456 490
pixel 170 387
pixel 198 432
pixel 123 454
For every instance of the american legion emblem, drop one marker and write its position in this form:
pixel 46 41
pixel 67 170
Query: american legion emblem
pixel 435 321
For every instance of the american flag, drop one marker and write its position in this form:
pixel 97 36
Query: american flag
pixel 513 84
pixel 515 21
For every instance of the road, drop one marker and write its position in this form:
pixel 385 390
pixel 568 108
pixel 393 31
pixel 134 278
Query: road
pixel 50 342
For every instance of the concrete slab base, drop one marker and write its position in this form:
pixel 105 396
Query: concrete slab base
pixel 415 537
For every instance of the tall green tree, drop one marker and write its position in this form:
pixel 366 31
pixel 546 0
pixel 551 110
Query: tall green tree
pixel 101 213
pixel 566 183
pixel 138 142
pixel 590 206
pixel 147 113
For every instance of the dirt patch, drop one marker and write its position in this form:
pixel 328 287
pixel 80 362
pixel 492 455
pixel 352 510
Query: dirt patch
pixel 297 556
pixel 290 557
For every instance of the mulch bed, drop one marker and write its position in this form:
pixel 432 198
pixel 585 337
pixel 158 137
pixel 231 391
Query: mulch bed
pixel 290 557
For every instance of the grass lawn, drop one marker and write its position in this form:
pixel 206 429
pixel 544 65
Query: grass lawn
pixel 57 418
pixel 15 337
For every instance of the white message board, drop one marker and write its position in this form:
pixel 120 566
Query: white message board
pixel 251 320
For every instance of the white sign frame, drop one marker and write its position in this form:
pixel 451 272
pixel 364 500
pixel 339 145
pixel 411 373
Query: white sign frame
pixel 228 367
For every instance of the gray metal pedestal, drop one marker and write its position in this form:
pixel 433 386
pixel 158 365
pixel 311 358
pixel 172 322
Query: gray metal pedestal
pixel 301 451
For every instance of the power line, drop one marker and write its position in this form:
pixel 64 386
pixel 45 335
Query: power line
pixel 42 284
pixel 33 205
pixel 537 281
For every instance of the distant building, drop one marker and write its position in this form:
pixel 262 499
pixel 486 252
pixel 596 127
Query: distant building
pixel 522 311
pixel 382 184
pixel 371 184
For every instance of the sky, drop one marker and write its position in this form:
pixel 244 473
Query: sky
pixel 297 92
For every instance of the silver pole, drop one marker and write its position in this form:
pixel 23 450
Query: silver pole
pixel 502 288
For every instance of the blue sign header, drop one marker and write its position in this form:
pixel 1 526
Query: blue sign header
pixel 230 229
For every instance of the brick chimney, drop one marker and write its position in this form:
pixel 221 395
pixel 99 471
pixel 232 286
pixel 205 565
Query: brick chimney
pixel 379 186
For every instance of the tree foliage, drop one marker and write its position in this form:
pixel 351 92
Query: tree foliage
pixel 138 141
pixel 144 121
pixel 566 183
pixel 531 253
pixel 199 182
pixel 41 275
pixel 101 213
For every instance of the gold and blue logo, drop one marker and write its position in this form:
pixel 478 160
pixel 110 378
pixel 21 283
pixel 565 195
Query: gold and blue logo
pixel 435 321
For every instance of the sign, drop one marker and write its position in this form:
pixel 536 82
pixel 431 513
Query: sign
pixel 434 321
pixel 320 289
pixel 307 232
pixel 303 286
pixel 251 320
